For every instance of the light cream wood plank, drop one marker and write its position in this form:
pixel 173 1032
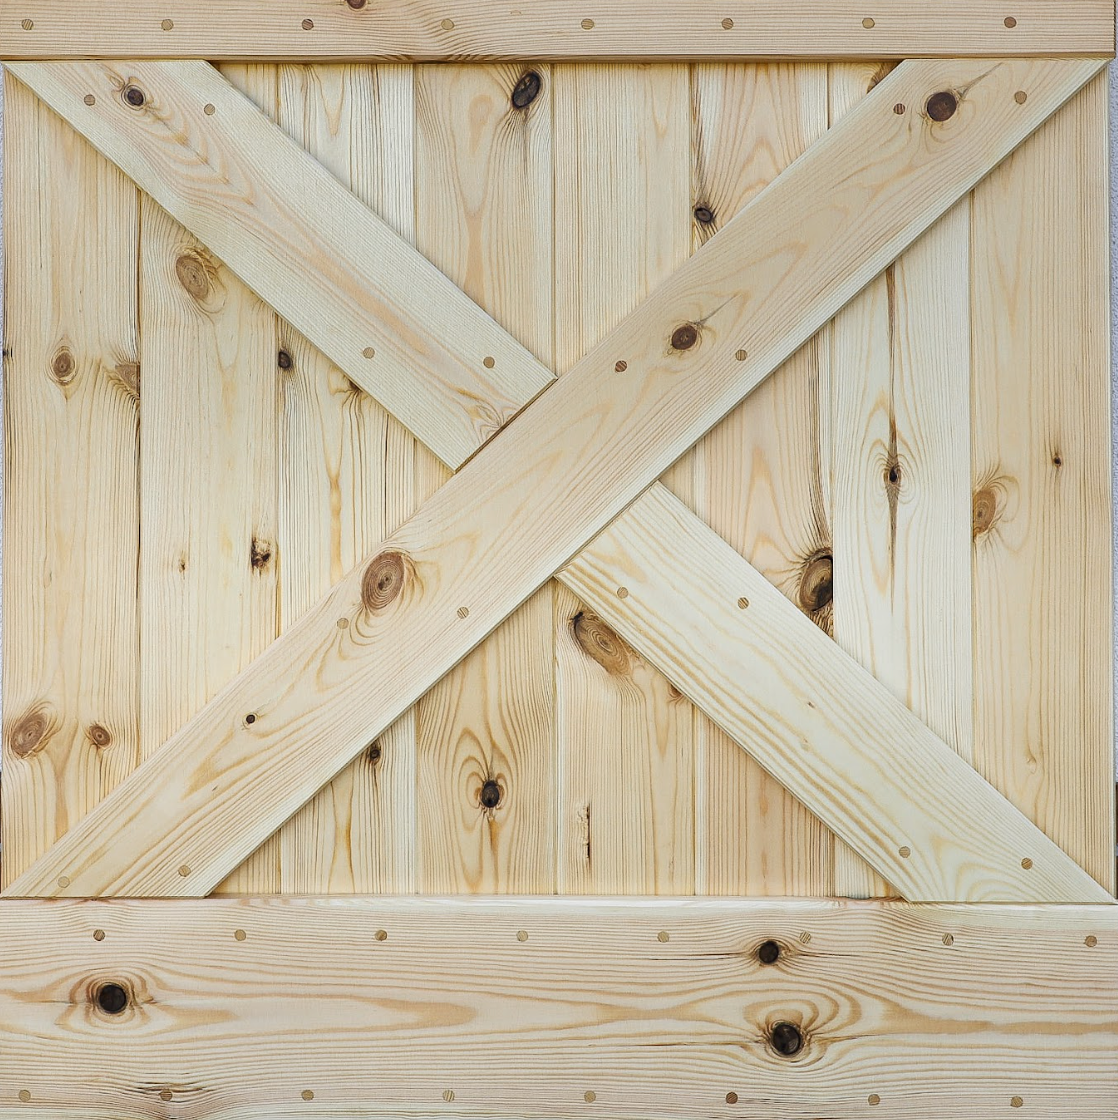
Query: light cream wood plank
pixel 860 334
pixel 71 385
pixel 900 474
pixel 1042 546
pixel 557 1008
pixel 455 29
pixel 486 741
pixel 622 225
pixel 578 455
pixel 817 721
pixel 289 230
pixel 209 559
pixel 764 477
pixel 347 480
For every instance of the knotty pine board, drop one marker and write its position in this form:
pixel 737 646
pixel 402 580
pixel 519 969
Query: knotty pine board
pixel 563 1008
pixel 900 480
pixel 487 730
pixel 348 479
pixel 209 474
pixel 1042 479
pixel 71 508
pixel 627 737
pixel 1067 790
pixel 763 471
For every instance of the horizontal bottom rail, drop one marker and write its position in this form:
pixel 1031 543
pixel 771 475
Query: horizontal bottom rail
pixel 556 1007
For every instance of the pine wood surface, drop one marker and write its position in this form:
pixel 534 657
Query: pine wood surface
pixel 1006 72
pixel 557 1007
pixel 591 29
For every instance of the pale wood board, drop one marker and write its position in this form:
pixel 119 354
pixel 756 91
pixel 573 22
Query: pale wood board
pixel 622 227
pixel 348 479
pixel 568 465
pixel 590 29
pixel 298 238
pixel 71 383
pixel 209 413
pixel 764 478
pixel 557 1007
pixel 901 478
pixel 1041 400
pixel 487 730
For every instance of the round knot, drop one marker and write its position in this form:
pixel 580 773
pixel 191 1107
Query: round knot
pixel 599 642
pixel 685 336
pixel 526 90
pixel 941 106
pixel 383 580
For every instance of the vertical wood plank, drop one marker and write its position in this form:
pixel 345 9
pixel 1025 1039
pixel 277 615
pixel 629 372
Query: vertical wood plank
pixel 1041 506
pixel 71 386
pixel 763 470
pixel 486 731
pixel 622 225
pixel 900 477
pixel 347 480
pixel 209 436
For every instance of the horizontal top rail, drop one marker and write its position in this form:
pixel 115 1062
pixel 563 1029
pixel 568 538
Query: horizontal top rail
pixel 431 30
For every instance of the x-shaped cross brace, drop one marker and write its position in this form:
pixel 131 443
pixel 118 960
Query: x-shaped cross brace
pixel 579 461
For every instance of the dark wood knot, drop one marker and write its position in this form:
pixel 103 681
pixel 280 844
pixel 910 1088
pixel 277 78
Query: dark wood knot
pixel 63 367
pixel 490 795
pixel 768 952
pixel 134 96
pixel 356 5
pixel 526 90
pixel 817 583
pixel 260 554
pixel 193 275
pixel 100 736
pixel 383 580
pixel 128 374
pixel 685 336
pixel 984 511
pixel 284 359
pixel 29 734
pixel 601 644
pixel 787 1039
pixel 704 215
pixel 941 106
pixel 112 998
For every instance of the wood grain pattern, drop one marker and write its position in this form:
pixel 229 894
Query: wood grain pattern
pixel 591 29
pixel 209 563
pixel 622 224
pixel 1042 550
pixel 900 476
pixel 819 723
pixel 486 767
pixel 764 477
pixel 289 230
pixel 574 459
pixel 348 471
pixel 71 384
pixel 558 1008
